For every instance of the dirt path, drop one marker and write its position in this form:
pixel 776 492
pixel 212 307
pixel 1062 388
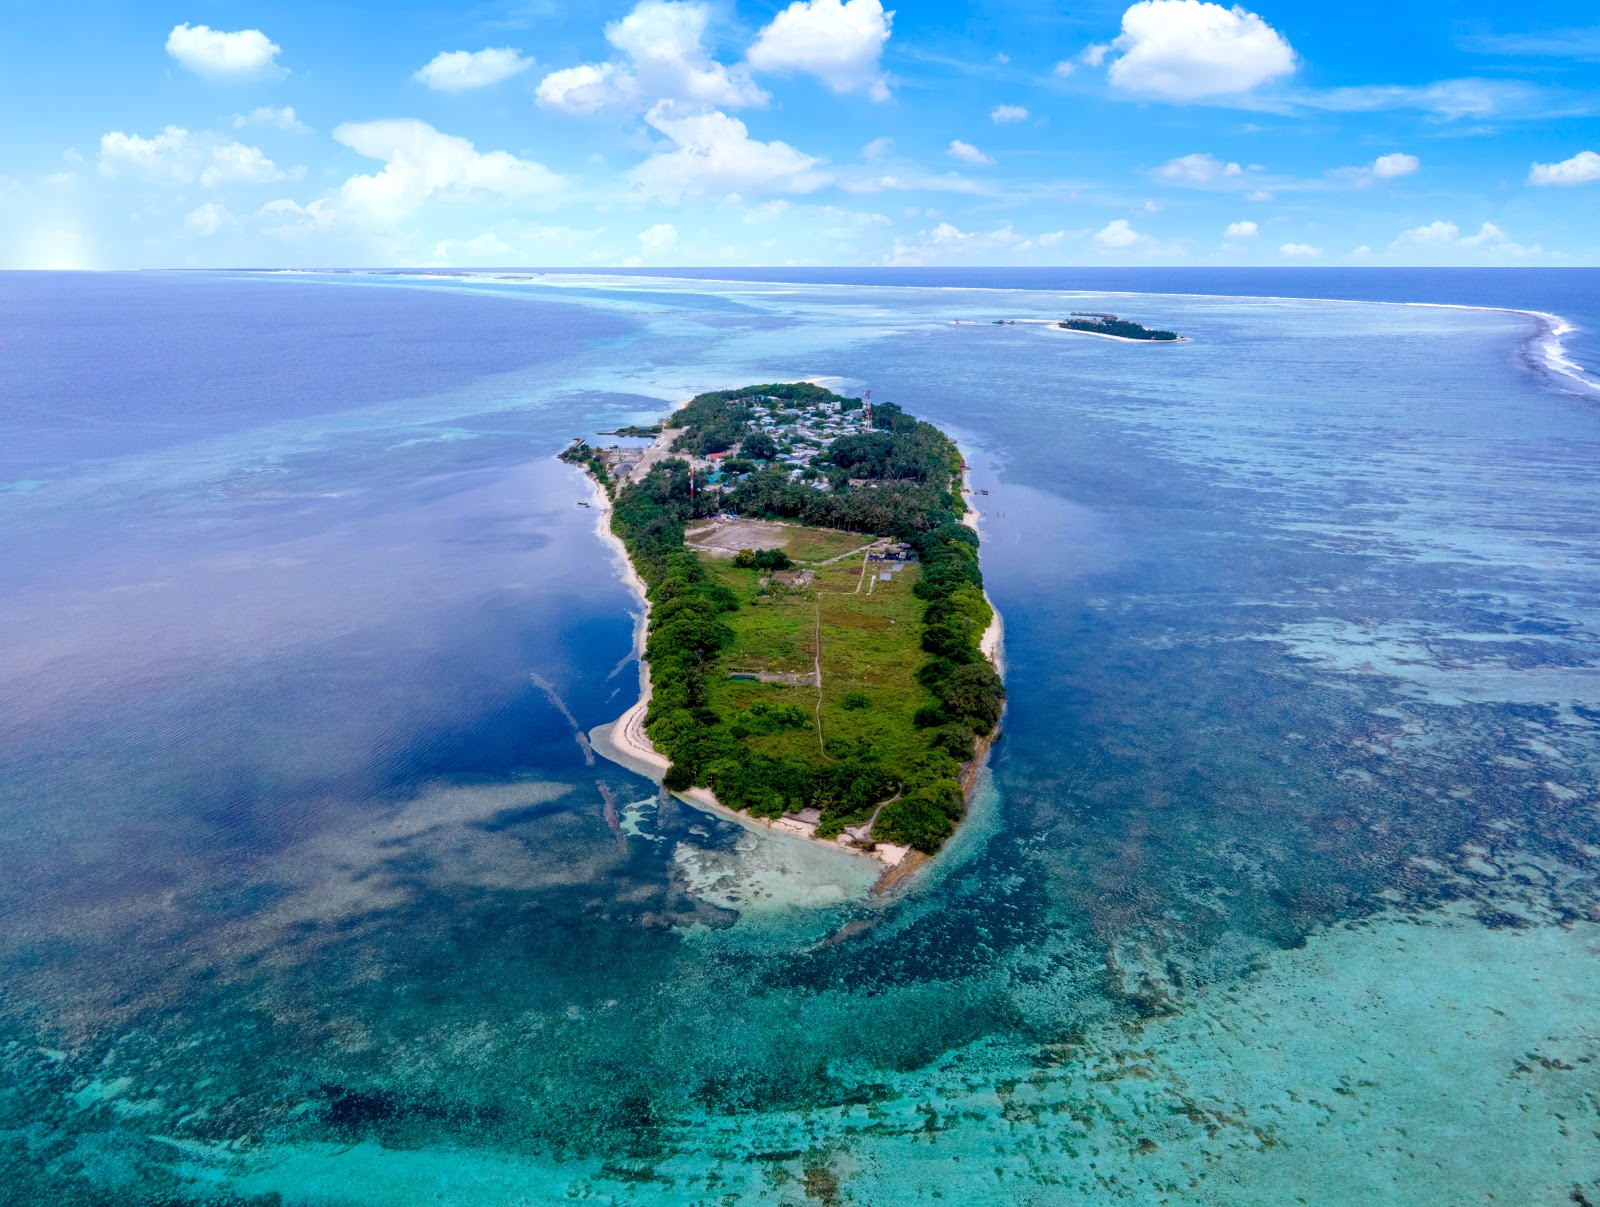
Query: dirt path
pixel 816 635
pixel 867 548
pixel 816 654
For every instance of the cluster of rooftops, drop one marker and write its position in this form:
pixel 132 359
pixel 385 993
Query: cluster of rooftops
pixel 802 433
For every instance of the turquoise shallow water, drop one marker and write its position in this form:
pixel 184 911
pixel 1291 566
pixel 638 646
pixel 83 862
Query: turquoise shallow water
pixel 1281 887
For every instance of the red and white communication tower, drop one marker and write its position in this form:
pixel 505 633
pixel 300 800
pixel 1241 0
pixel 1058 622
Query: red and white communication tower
pixel 866 401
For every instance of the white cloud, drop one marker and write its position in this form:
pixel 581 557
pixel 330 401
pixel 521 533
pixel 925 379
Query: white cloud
pixel 713 153
pixel 1118 236
pixel 235 163
pixel 206 220
pixel 219 55
pixel 1092 55
pixel 912 181
pixel 181 157
pixel 168 154
pixel 658 240
pixel 420 164
pixel 1197 169
pixel 967 153
pixel 1446 99
pixel 1063 69
pixel 513 243
pixel 276 119
pixel 1435 232
pixel 459 70
pixel 1386 167
pixel 947 242
pixel 1582 168
pixel 1299 251
pixel 1259 195
pixel 663 59
pixel 877 148
pixel 1243 230
pixel 1439 239
pixel 587 88
pixel 839 43
pixel 1001 114
pixel 1185 50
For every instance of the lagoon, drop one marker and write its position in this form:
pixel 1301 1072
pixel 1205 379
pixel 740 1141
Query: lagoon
pixel 1282 882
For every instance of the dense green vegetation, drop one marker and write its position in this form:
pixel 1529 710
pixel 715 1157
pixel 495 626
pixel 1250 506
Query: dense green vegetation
pixel 756 745
pixel 1120 327
pixel 762 559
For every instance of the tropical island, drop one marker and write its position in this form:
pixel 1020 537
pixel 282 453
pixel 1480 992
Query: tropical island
pixel 1095 322
pixel 819 650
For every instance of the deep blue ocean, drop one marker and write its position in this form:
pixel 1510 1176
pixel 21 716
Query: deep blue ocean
pixel 1281 886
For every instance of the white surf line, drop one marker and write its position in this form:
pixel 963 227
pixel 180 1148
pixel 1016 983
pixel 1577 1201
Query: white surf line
pixel 1555 325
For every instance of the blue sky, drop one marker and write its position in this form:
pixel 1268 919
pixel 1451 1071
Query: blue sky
pixel 817 132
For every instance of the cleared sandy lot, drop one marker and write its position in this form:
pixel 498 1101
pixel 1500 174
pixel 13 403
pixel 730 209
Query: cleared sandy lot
pixel 724 538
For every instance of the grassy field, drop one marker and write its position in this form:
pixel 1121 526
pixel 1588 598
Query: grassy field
pixel 870 640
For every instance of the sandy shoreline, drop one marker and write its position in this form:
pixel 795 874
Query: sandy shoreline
pixel 625 742
pixel 991 642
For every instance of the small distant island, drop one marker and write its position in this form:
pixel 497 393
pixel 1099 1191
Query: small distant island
pixel 1099 323
pixel 819 649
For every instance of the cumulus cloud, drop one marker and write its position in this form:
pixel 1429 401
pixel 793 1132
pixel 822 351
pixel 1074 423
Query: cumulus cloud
pixel 168 154
pixel 1000 115
pixel 1186 50
pixel 1582 168
pixel 1118 235
pixel 839 43
pixel 460 70
pixel 220 55
pixel 1243 230
pixel 272 118
pixel 663 58
pixel 235 163
pixel 206 220
pixel 1385 167
pixel 178 156
pixel 713 153
pixel 658 240
pixel 420 164
pixel 1064 68
pixel 967 153
pixel 1196 169
pixel 1440 238
pixel 1299 251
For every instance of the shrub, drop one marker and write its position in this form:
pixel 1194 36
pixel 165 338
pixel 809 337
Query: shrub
pixel 678 778
pixel 856 700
